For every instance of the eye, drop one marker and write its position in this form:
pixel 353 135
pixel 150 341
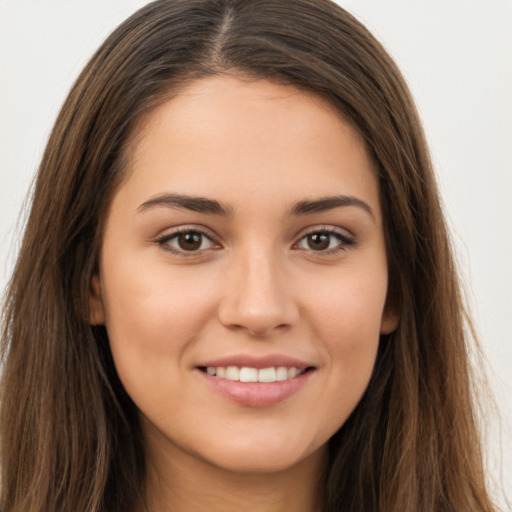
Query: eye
pixel 325 241
pixel 186 241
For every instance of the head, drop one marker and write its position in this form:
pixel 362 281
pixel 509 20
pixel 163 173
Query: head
pixel 164 49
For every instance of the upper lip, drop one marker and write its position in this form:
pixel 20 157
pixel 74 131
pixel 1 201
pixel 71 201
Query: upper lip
pixel 250 361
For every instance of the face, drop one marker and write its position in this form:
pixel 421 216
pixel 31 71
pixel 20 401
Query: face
pixel 243 274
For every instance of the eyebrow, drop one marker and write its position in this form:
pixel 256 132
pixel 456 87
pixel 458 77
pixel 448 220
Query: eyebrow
pixel 195 204
pixel 213 207
pixel 330 203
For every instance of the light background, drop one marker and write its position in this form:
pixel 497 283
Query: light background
pixel 457 58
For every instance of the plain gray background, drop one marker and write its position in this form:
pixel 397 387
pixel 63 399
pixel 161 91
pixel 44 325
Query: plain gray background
pixel 457 58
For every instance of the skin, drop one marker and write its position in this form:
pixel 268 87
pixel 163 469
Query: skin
pixel 256 286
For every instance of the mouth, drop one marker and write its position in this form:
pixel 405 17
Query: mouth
pixel 256 383
pixel 250 374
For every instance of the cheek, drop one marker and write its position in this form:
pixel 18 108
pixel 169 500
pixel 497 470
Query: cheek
pixel 347 320
pixel 151 318
pixel 147 300
pixel 348 309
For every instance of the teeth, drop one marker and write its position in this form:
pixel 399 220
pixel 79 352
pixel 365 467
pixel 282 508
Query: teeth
pixel 293 372
pixel 232 373
pixel 267 375
pixel 247 374
pixel 282 373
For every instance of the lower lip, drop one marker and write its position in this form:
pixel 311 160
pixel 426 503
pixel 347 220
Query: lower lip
pixel 257 394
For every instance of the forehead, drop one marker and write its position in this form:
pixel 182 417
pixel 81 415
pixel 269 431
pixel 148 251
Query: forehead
pixel 235 138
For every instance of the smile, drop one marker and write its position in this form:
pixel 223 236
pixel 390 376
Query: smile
pixel 256 387
pixel 248 374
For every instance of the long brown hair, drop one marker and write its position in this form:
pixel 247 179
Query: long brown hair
pixel 70 435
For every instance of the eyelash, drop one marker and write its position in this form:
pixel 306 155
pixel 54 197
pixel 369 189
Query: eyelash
pixel 164 240
pixel 345 241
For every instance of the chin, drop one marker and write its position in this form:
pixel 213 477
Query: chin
pixel 258 457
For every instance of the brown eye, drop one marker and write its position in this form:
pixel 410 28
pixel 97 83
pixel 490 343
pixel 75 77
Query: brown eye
pixel 186 242
pixel 325 241
pixel 190 241
pixel 318 241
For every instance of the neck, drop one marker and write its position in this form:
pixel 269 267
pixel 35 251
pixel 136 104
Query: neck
pixel 179 482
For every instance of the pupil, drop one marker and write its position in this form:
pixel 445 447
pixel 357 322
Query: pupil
pixel 190 241
pixel 318 241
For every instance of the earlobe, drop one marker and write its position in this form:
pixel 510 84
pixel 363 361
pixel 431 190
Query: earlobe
pixel 390 316
pixel 97 311
pixel 389 322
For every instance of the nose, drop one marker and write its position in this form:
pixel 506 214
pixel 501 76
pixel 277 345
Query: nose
pixel 257 298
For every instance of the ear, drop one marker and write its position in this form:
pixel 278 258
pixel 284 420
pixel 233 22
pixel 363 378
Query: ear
pixel 390 316
pixel 97 310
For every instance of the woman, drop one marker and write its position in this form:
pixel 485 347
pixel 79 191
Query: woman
pixel 242 294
